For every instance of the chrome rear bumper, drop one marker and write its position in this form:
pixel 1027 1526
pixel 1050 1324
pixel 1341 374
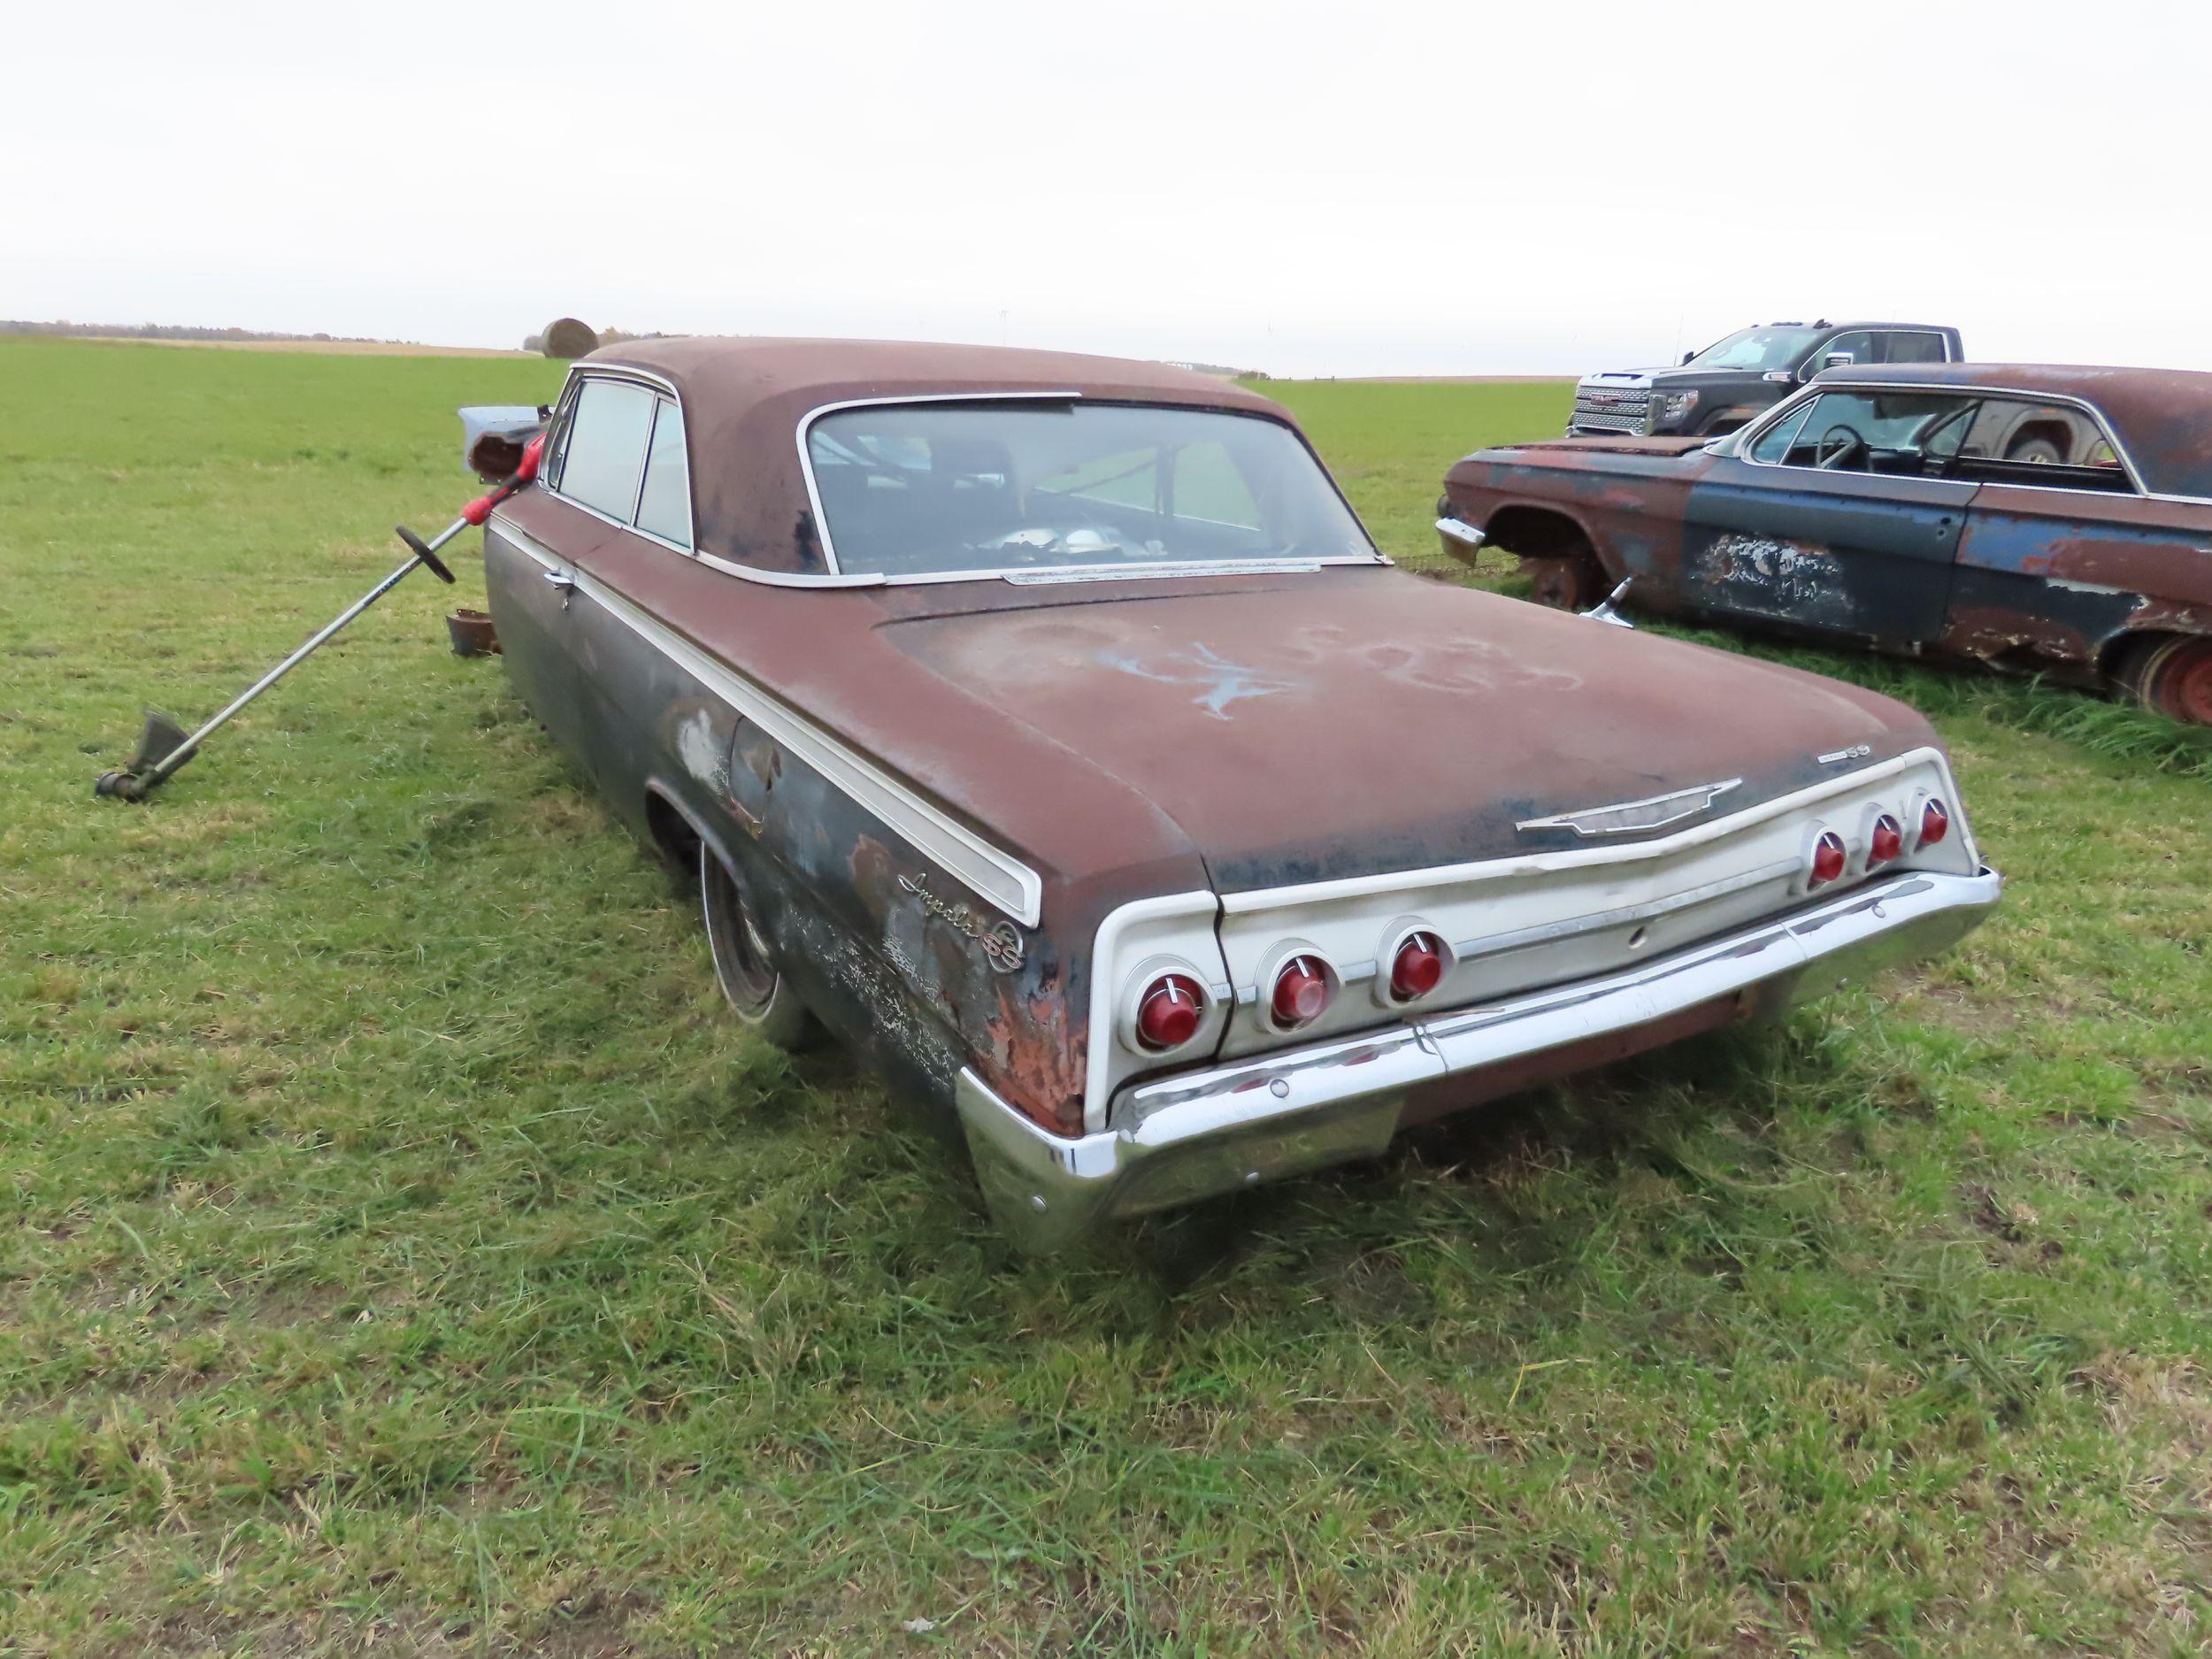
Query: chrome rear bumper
pixel 1205 1133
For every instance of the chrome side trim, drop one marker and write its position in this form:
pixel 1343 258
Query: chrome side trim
pixel 993 874
pixel 1228 1127
pixel 1524 864
pixel 1152 571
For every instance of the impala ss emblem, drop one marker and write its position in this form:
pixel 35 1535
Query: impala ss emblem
pixel 999 942
pixel 1627 818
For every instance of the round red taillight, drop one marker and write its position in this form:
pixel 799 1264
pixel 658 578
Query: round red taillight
pixel 1935 823
pixel 1169 1011
pixel 1829 858
pixel 1418 967
pixel 1301 992
pixel 1887 841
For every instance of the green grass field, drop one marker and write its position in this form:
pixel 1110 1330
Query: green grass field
pixel 402 1248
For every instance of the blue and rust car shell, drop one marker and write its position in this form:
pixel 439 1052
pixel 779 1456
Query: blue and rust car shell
pixel 2035 558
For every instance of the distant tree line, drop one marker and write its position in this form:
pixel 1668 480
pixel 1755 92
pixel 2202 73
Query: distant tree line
pixel 168 331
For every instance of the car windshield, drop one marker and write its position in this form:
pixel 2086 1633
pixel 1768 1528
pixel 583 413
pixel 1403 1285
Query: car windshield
pixel 1771 347
pixel 938 488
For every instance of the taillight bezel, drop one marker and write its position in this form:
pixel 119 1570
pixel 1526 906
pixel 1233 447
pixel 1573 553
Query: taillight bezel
pixel 1921 809
pixel 1822 835
pixel 1395 940
pixel 1141 985
pixel 1874 858
pixel 1265 984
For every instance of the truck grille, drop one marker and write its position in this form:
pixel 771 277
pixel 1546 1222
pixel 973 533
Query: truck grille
pixel 1603 411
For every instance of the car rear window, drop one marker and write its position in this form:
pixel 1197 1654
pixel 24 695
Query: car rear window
pixel 944 488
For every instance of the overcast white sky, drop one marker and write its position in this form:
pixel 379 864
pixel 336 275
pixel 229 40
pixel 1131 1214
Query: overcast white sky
pixel 1370 188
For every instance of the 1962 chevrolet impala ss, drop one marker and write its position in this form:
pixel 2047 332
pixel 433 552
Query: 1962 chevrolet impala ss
pixel 2047 520
pixel 1048 729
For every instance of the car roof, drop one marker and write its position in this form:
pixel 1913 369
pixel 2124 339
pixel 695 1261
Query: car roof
pixel 744 399
pixel 2163 418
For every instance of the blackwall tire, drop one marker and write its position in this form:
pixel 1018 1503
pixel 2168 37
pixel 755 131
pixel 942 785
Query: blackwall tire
pixel 744 965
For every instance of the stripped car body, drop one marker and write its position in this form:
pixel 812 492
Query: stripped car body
pixel 2045 519
pixel 1047 820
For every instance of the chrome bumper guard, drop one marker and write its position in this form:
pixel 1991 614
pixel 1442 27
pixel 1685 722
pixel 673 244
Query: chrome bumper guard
pixel 1459 536
pixel 1206 1133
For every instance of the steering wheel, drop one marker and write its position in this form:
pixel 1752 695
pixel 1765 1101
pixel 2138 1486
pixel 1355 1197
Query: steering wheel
pixel 1847 445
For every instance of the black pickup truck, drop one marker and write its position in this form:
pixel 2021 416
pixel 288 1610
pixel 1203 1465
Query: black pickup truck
pixel 1723 387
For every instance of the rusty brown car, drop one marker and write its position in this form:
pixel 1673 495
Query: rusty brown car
pixel 1047 729
pixel 2051 520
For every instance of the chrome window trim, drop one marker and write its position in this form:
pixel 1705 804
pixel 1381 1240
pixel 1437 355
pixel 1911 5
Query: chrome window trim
pixel 579 375
pixel 1164 568
pixel 993 874
pixel 1751 434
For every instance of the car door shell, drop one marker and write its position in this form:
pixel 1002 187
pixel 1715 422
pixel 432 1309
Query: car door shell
pixel 1861 556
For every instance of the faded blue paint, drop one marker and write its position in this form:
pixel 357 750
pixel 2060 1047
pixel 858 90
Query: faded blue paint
pixel 1222 682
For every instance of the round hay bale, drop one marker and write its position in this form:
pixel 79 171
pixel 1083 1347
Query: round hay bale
pixel 565 337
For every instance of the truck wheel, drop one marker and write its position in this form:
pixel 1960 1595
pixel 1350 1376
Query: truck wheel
pixel 745 965
pixel 2040 452
pixel 1570 582
pixel 2171 675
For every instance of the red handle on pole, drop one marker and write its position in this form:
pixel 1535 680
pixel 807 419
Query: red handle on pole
pixel 526 471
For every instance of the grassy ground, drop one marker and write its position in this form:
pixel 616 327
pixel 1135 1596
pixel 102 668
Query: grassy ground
pixel 398 1246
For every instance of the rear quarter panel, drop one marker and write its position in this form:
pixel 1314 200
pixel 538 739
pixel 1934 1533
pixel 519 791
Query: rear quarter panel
pixel 2057 578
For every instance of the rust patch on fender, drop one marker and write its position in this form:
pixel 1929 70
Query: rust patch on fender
pixel 1031 1056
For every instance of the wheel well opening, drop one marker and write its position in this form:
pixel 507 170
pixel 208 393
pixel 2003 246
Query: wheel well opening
pixel 1533 533
pixel 671 832
pixel 2054 433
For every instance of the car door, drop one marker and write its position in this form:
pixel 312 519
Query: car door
pixel 1833 516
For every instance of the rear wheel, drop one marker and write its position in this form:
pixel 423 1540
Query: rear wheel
pixel 2039 451
pixel 745 964
pixel 1571 581
pixel 2171 675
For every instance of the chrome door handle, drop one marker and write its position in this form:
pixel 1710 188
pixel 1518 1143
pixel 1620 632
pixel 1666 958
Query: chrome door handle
pixel 563 582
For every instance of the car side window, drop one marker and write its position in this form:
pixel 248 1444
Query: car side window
pixel 2020 441
pixel 1773 445
pixel 1902 434
pixel 605 451
pixel 1858 347
pixel 663 504
pixel 1904 346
